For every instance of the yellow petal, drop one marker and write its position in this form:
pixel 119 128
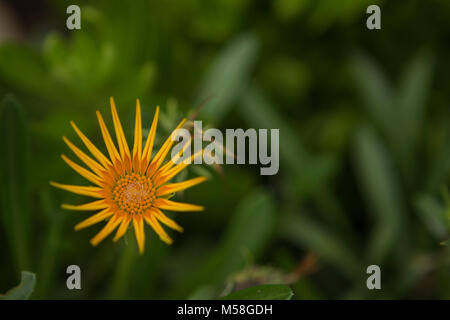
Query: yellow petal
pixel 175 159
pixel 91 147
pixel 174 187
pixel 161 154
pixel 106 231
pixel 82 171
pixel 94 192
pixel 176 206
pixel 113 154
pixel 137 148
pixel 151 220
pixel 123 228
pixel 138 224
pixel 92 164
pixel 147 153
pixel 95 205
pixel 122 142
pixel 100 216
pixel 163 177
pixel 166 220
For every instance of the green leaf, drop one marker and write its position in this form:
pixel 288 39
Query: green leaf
pixel 227 77
pixel 51 247
pixel 376 91
pixel 14 177
pixel 411 106
pixel 411 98
pixel 309 172
pixel 433 215
pixel 381 188
pixel 400 116
pixel 23 290
pixel 251 225
pixel 263 292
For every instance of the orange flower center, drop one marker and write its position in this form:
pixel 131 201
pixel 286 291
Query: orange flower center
pixel 133 193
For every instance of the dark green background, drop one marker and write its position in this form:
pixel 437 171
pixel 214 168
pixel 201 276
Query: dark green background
pixel 364 144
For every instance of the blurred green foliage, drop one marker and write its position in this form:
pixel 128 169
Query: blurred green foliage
pixel 364 146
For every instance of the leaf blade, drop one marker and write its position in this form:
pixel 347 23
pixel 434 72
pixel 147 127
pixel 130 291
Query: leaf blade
pixel 227 77
pixel 14 177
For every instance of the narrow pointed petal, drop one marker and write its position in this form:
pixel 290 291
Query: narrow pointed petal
pixel 147 153
pixel 137 148
pixel 91 147
pixel 166 220
pixel 164 177
pixel 106 231
pixel 96 218
pixel 91 163
pixel 174 187
pixel 138 224
pixel 113 153
pixel 122 142
pixel 151 220
pixel 122 229
pixel 94 192
pixel 162 153
pixel 83 172
pixel 175 159
pixel 95 205
pixel 176 206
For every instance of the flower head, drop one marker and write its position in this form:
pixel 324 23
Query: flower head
pixel 131 188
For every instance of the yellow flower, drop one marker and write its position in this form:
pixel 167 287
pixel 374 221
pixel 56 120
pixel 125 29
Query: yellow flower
pixel 131 188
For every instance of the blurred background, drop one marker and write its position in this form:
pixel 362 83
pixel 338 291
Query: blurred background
pixel 364 144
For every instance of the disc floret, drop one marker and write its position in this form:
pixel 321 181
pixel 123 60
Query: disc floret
pixel 133 193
